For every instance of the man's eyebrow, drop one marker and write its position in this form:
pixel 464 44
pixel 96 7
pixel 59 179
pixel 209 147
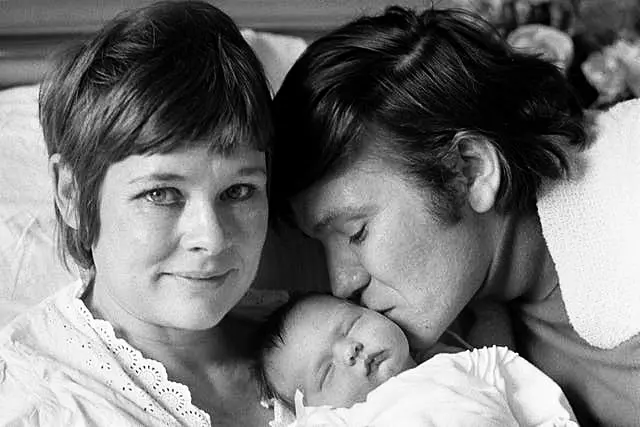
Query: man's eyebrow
pixel 324 222
pixel 331 215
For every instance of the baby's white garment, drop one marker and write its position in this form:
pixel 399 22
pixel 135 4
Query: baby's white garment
pixel 483 387
pixel 61 367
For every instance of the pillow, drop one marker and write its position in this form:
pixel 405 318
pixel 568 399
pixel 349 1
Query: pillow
pixel 30 269
pixel 276 52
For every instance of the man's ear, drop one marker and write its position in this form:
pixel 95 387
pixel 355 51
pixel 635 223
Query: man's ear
pixel 64 190
pixel 479 164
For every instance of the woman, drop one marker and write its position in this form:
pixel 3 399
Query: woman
pixel 157 130
pixel 438 167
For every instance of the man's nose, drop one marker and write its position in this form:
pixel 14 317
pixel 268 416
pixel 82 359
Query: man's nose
pixel 348 278
pixel 349 282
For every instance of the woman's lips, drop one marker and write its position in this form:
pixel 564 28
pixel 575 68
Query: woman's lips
pixel 198 275
pixel 202 278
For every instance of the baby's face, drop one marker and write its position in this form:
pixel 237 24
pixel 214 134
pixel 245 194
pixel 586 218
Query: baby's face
pixel 336 352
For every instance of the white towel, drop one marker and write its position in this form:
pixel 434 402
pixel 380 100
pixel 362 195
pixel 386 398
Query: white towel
pixel 591 224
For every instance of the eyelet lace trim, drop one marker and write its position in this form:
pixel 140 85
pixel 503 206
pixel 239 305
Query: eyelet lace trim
pixel 151 375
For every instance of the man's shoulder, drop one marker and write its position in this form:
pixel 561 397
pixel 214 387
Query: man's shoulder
pixel 618 127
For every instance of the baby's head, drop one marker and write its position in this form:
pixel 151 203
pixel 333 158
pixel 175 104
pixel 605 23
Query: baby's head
pixel 334 351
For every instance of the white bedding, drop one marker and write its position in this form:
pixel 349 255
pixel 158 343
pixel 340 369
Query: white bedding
pixel 29 267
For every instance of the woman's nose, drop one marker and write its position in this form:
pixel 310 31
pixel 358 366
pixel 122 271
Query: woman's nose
pixel 205 229
pixel 347 351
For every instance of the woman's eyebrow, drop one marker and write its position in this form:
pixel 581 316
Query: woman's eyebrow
pixel 166 176
pixel 253 170
pixel 158 177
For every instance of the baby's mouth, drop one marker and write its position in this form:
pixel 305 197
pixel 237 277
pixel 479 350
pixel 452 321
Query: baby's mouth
pixel 372 362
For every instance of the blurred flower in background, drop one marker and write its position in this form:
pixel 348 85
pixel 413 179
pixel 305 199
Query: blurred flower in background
pixel 595 42
pixel 550 43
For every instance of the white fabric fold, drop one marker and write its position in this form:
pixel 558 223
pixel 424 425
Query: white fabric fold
pixel 591 224
pixel 484 387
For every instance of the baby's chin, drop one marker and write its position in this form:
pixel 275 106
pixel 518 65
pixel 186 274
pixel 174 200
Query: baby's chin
pixel 359 397
pixel 396 364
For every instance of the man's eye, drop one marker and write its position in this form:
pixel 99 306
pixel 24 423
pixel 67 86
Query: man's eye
pixel 359 236
pixel 239 192
pixel 163 196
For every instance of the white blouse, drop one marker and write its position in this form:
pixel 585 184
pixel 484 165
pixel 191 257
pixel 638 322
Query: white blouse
pixel 59 366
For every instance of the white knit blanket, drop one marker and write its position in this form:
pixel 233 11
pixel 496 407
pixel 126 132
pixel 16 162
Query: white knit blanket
pixel 591 224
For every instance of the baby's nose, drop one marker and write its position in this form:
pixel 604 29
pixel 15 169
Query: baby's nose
pixel 351 352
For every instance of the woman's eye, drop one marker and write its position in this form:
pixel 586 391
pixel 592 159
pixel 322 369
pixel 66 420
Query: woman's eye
pixel 239 192
pixel 359 236
pixel 163 196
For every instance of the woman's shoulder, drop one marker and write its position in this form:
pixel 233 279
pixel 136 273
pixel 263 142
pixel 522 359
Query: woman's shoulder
pixel 55 370
pixel 60 355
pixel 43 318
pixel 33 396
pixel 27 350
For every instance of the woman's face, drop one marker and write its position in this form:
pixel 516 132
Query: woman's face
pixel 385 248
pixel 181 234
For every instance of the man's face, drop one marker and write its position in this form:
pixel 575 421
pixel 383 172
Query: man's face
pixel 384 247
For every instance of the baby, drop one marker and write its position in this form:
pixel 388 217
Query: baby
pixel 354 368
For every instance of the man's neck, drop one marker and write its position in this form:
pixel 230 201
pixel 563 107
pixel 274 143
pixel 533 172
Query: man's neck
pixel 522 266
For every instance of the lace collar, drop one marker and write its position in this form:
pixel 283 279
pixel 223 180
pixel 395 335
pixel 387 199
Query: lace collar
pixel 149 374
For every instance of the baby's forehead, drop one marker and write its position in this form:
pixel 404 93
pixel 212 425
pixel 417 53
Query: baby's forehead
pixel 315 314
pixel 306 331
pixel 320 307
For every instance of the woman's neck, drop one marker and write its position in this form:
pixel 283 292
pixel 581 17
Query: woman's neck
pixel 212 363
pixel 522 265
pixel 175 348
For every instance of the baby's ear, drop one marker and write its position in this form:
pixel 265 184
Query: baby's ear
pixel 479 168
pixel 64 189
